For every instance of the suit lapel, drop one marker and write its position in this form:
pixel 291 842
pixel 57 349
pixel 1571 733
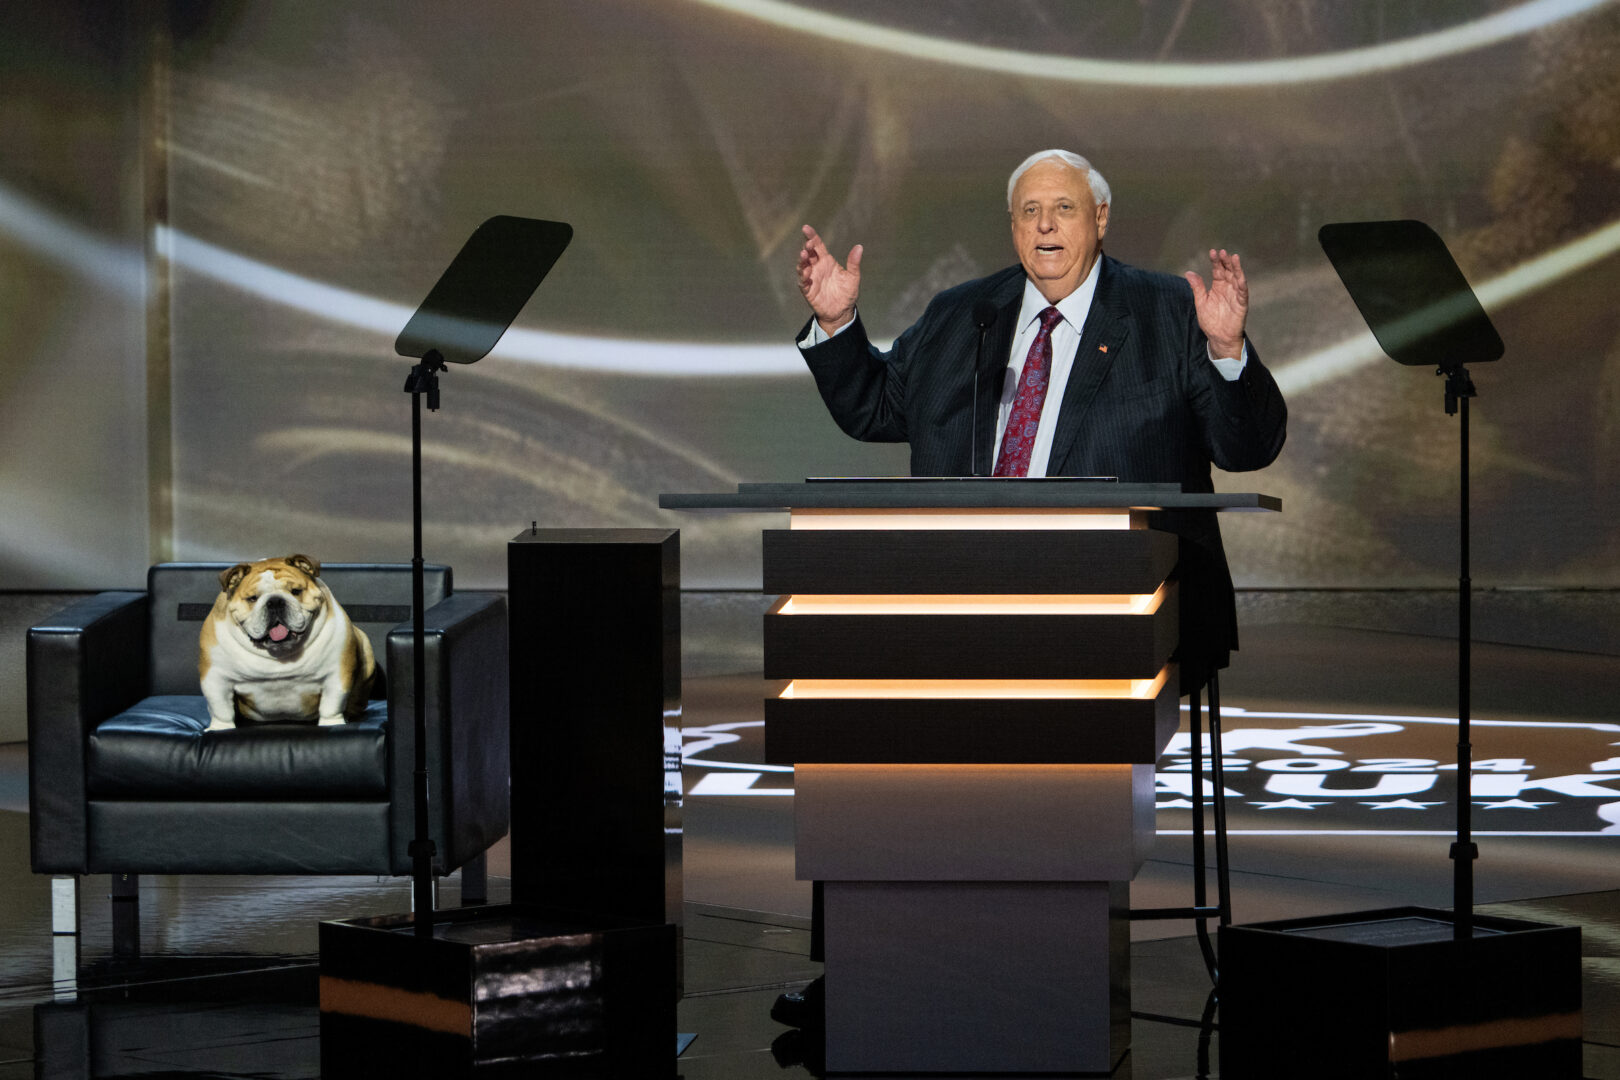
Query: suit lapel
pixel 1108 327
pixel 997 349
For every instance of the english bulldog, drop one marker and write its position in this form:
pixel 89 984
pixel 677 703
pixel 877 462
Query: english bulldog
pixel 278 646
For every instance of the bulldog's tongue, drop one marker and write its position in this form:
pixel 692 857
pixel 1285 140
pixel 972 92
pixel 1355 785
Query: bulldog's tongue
pixel 278 633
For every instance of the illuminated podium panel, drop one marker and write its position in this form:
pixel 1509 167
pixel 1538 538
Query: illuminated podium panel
pixel 973 681
pixel 943 637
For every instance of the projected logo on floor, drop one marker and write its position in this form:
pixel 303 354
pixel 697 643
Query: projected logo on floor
pixel 1340 773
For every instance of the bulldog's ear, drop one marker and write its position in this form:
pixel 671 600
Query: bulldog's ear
pixel 304 563
pixel 229 578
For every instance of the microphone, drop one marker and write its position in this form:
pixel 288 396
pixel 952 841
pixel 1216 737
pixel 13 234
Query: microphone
pixel 984 316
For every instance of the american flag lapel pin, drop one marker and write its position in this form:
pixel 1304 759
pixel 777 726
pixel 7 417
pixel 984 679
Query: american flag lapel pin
pixel 1102 348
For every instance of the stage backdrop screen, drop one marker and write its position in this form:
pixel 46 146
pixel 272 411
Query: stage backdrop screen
pixel 319 164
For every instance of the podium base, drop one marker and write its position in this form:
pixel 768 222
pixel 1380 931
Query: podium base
pixel 500 990
pixel 977 977
pixel 1394 993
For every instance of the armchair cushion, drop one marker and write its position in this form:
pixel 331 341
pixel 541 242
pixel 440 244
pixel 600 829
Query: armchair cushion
pixel 160 748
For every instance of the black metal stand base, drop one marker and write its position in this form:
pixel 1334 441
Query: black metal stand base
pixel 497 991
pixel 1395 993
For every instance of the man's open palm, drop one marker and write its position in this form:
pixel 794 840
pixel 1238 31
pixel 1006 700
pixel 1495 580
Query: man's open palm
pixel 829 288
pixel 1223 307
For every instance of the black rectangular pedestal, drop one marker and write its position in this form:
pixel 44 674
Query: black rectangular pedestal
pixel 1391 993
pixel 595 737
pixel 496 991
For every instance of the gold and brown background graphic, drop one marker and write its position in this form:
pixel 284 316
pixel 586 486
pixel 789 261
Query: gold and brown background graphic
pixel 214 219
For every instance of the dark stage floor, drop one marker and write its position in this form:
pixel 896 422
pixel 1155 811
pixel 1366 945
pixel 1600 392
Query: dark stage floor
pixel 1339 731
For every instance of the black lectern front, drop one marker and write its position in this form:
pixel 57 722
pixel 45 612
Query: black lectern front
pixel 973 680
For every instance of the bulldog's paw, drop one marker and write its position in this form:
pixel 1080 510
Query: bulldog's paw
pixel 216 724
pixel 330 721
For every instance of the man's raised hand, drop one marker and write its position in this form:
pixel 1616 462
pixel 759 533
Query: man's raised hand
pixel 1224 306
pixel 829 288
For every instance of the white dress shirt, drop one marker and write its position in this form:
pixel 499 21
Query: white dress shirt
pixel 1065 342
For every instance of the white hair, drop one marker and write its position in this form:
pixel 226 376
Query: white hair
pixel 1100 193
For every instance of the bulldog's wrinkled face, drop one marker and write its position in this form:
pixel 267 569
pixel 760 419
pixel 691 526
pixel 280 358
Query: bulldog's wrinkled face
pixel 276 602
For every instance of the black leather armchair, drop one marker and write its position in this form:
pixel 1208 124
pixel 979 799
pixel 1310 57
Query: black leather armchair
pixel 125 778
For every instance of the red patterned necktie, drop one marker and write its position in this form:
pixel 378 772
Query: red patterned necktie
pixel 1019 438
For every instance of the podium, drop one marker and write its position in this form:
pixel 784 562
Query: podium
pixel 973 680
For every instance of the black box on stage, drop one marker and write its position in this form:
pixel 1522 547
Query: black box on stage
pixel 595 617
pixel 1393 993
pixel 507 990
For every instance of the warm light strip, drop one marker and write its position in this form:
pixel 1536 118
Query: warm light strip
pixel 1044 517
pixel 1139 689
pixel 1118 604
pixel 961 770
pixel 393 1004
pixel 1499 1034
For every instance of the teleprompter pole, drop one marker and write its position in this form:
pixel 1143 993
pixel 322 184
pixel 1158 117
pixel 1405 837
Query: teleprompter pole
pixel 464 315
pixel 1424 313
pixel 1459 388
pixel 424 379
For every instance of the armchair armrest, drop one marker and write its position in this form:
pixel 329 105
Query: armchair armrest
pixel 85 663
pixel 467 689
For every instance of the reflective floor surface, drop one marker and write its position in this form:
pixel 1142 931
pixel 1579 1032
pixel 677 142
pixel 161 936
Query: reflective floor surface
pixel 1337 742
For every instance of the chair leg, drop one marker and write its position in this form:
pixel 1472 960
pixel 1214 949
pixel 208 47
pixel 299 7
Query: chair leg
pixel 64 970
pixel 65 938
pixel 126 915
pixel 65 905
pixel 475 880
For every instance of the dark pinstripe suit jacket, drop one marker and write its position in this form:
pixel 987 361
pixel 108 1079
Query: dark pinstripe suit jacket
pixel 1143 403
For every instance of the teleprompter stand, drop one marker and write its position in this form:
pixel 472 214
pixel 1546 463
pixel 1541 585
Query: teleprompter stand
pixel 486 989
pixel 465 314
pixel 1409 992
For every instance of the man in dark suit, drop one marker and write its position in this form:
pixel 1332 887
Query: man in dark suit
pixel 1091 368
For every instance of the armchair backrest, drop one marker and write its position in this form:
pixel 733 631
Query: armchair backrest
pixel 377 597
